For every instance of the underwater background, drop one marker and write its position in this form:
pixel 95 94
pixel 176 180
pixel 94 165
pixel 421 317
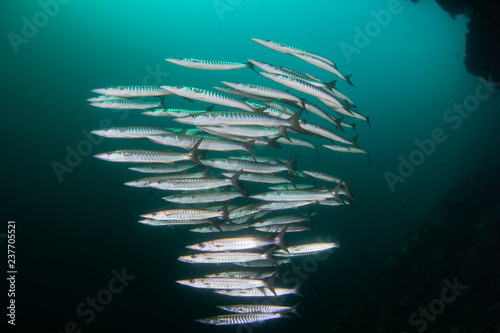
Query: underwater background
pixel 77 229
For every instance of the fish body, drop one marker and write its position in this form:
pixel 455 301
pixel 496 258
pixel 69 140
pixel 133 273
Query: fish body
pixel 257 292
pixel 240 243
pixel 130 132
pixel 323 65
pixel 132 91
pixel 227 257
pixel 306 249
pixel 283 48
pixel 207 64
pixel 264 91
pixel 211 97
pixel 241 319
pixel 126 104
pixel 203 196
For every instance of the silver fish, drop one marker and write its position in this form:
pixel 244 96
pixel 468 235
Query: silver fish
pixel 151 156
pixel 228 257
pixel 130 132
pixel 132 91
pixel 211 97
pixel 207 64
pixel 240 319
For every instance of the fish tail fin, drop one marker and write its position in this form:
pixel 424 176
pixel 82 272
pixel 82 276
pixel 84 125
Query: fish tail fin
pixel 215 223
pixel 347 190
pixel 252 67
pixel 294 122
pixel 294 309
pixel 245 192
pixel 270 282
pixel 354 141
pixel 272 142
pixel 193 153
pixel 292 181
pixel 290 165
pixel 354 127
pixel 268 255
pixel 249 148
pixel 224 213
pixel 339 243
pixel 210 108
pixel 280 240
pixel 296 290
pixel 205 171
pixel 283 133
pixel 303 103
pixel 338 123
pixel 260 110
pixel 234 181
pixel 331 84
pixel 161 102
pixel 348 79
pixel 336 191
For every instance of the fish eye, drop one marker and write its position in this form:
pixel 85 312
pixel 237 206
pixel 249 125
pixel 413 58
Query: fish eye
pixel 178 87
pixel 213 161
pixel 193 256
pixel 193 116
pixel 109 154
pixel 201 245
pixel 106 129
pixel 264 194
pixel 191 281
pixel 154 214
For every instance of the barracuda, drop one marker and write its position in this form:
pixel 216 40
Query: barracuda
pixel 251 131
pixel 220 118
pixel 132 91
pixel 299 195
pixel 192 184
pixel 250 166
pixel 211 97
pixel 152 156
pixel 187 141
pixel 289 49
pixel 280 70
pixel 240 319
pixel 228 257
pixel 242 274
pixel 130 132
pixel 240 243
pixel 323 65
pixel 259 292
pixel 172 223
pixel 208 64
pixel 172 112
pixel 205 196
pixel 306 249
pixel 190 214
pixel 264 91
pixel 322 176
pixel 325 133
pixel 283 219
pixel 127 104
pixel 102 98
pixel 232 91
pixel 143 182
pixel 254 308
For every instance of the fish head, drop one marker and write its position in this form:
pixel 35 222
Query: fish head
pixel 106 132
pixel 152 216
pixel 193 258
pixel 199 247
pixel 110 156
pixel 189 282
pixel 210 321
pixel 136 183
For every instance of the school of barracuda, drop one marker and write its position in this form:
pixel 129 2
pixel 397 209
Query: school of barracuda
pixel 233 124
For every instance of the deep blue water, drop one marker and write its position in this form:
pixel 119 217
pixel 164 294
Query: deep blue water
pixel 76 227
